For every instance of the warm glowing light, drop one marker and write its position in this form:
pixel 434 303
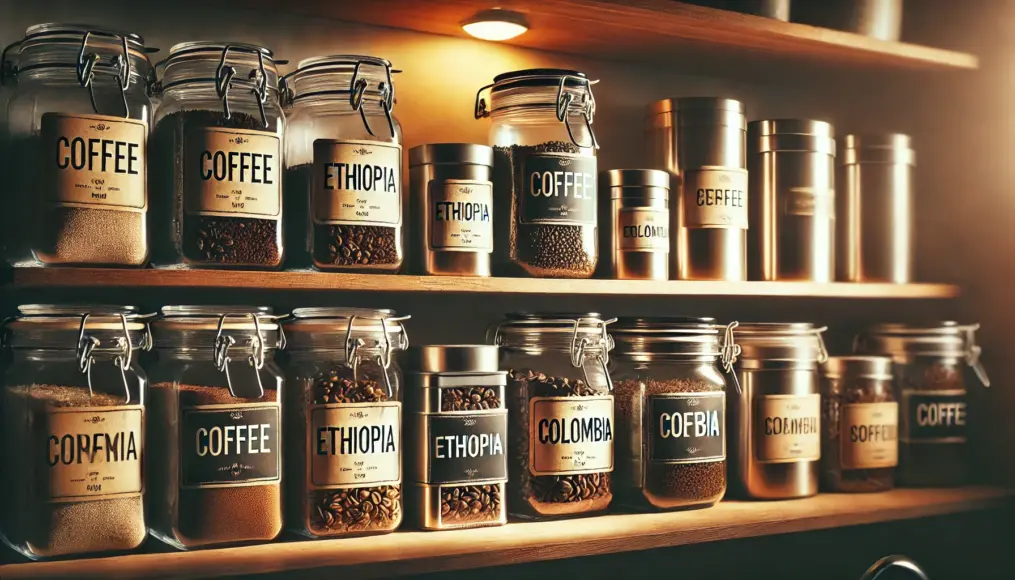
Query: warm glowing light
pixel 496 24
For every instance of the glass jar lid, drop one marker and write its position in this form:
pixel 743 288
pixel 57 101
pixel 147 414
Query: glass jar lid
pixel 575 333
pixel 782 341
pixel 360 79
pixel 947 339
pixel 374 332
pixel 858 367
pixel 566 92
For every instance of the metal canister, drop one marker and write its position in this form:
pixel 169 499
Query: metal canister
pixel 639 236
pixel 701 141
pixel 452 198
pixel 875 208
pixel 792 209
pixel 775 421
pixel 457 434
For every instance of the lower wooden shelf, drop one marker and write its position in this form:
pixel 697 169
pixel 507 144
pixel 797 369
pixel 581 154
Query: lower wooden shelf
pixel 422 552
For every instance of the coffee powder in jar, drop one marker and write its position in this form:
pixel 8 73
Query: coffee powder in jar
pixel 216 160
pixel 560 405
pixel 215 427
pixel 544 175
pixel 73 426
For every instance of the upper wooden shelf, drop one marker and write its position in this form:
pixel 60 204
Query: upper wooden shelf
pixel 405 553
pixel 110 278
pixel 659 31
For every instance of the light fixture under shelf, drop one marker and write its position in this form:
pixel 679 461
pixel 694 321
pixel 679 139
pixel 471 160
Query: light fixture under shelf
pixel 496 24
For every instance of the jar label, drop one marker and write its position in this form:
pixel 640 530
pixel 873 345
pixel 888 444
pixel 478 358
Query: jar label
pixel 466 448
pixel 570 435
pixel 357 182
pixel 229 445
pixel 100 161
pixel 869 435
pixel 355 444
pixel 715 197
pixel 643 229
pixel 788 428
pixel 805 201
pixel 460 215
pixel 232 173
pixel 687 427
pixel 934 416
pixel 92 453
pixel 557 188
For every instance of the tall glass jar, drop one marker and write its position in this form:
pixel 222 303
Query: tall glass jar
pixel 73 426
pixel 215 427
pixel 216 158
pixel 544 174
pixel 931 380
pixel 78 119
pixel 560 410
pixel 344 414
pixel 343 192
pixel 671 411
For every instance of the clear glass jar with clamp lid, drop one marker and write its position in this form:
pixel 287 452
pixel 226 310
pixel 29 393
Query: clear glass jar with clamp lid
pixel 344 411
pixel 78 116
pixel 73 430
pixel 215 426
pixel 216 158
pixel 544 175
pixel 344 164
pixel 560 409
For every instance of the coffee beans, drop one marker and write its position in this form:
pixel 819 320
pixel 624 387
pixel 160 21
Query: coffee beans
pixel 360 509
pixel 333 387
pixel 467 504
pixel 469 399
pixel 231 240
pixel 346 245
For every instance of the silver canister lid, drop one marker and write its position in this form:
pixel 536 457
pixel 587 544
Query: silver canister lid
pixel 859 367
pixel 699 104
pixel 647 183
pixel 451 153
pixel 894 148
pixel 455 358
pixel 791 135
pixel 781 341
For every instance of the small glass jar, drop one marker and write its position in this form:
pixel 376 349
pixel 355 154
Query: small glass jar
pixel 78 125
pixel 671 411
pixel 860 424
pixel 73 431
pixel 344 164
pixel 216 158
pixel 544 172
pixel 931 384
pixel 457 420
pixel 215 427
pixel 560 405
pixel 344 411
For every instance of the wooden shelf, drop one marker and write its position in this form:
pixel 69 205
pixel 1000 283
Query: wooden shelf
pixel 422 552
pixel 110 278
pixel 642 30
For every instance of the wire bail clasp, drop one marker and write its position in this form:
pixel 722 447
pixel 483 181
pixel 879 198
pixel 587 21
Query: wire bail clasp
pixel 258 78
pixel 973 352
pixel 729 353
pixel 223 342
pixel 357 91
pixel 587 104
pixel 86 69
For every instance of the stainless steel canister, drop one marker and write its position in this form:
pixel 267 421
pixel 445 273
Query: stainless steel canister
pixel 452 198
pixel 639 236
pixel 874 236
pixel 457 436
pixel 775 421
pixel 701 141
pixel 791 165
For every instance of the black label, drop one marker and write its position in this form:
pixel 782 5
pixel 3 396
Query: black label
pixel 687 428
pixel 934 417
pixel 229 446
pixel 558 188
pixel 467 448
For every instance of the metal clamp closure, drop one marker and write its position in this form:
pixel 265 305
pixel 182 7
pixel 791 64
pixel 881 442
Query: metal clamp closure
pixel 384 357
pixel 358 87
pixel 822 350
pixel 729 352
pixel 257 77
pixel 578 347
pixel 86 346
pixel 223 342
pixel 121 62
pixel 973 352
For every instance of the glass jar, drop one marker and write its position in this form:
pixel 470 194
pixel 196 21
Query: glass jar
pixel 458 422
pixel 73 426
pixel 78 125
pixel 544 172
pixel 344 413
pixel 931 382
pixel 860 424
pixel 216 158
pixel 560 408
pixel 214 427
pixel 776 418
pixel 344 164
pixel 671 411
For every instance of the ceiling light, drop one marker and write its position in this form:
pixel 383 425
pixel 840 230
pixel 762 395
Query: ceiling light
pixel 496 24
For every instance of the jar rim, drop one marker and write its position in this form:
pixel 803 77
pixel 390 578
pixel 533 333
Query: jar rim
pixel 212 317
pixel 194 47
pixel 55 29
